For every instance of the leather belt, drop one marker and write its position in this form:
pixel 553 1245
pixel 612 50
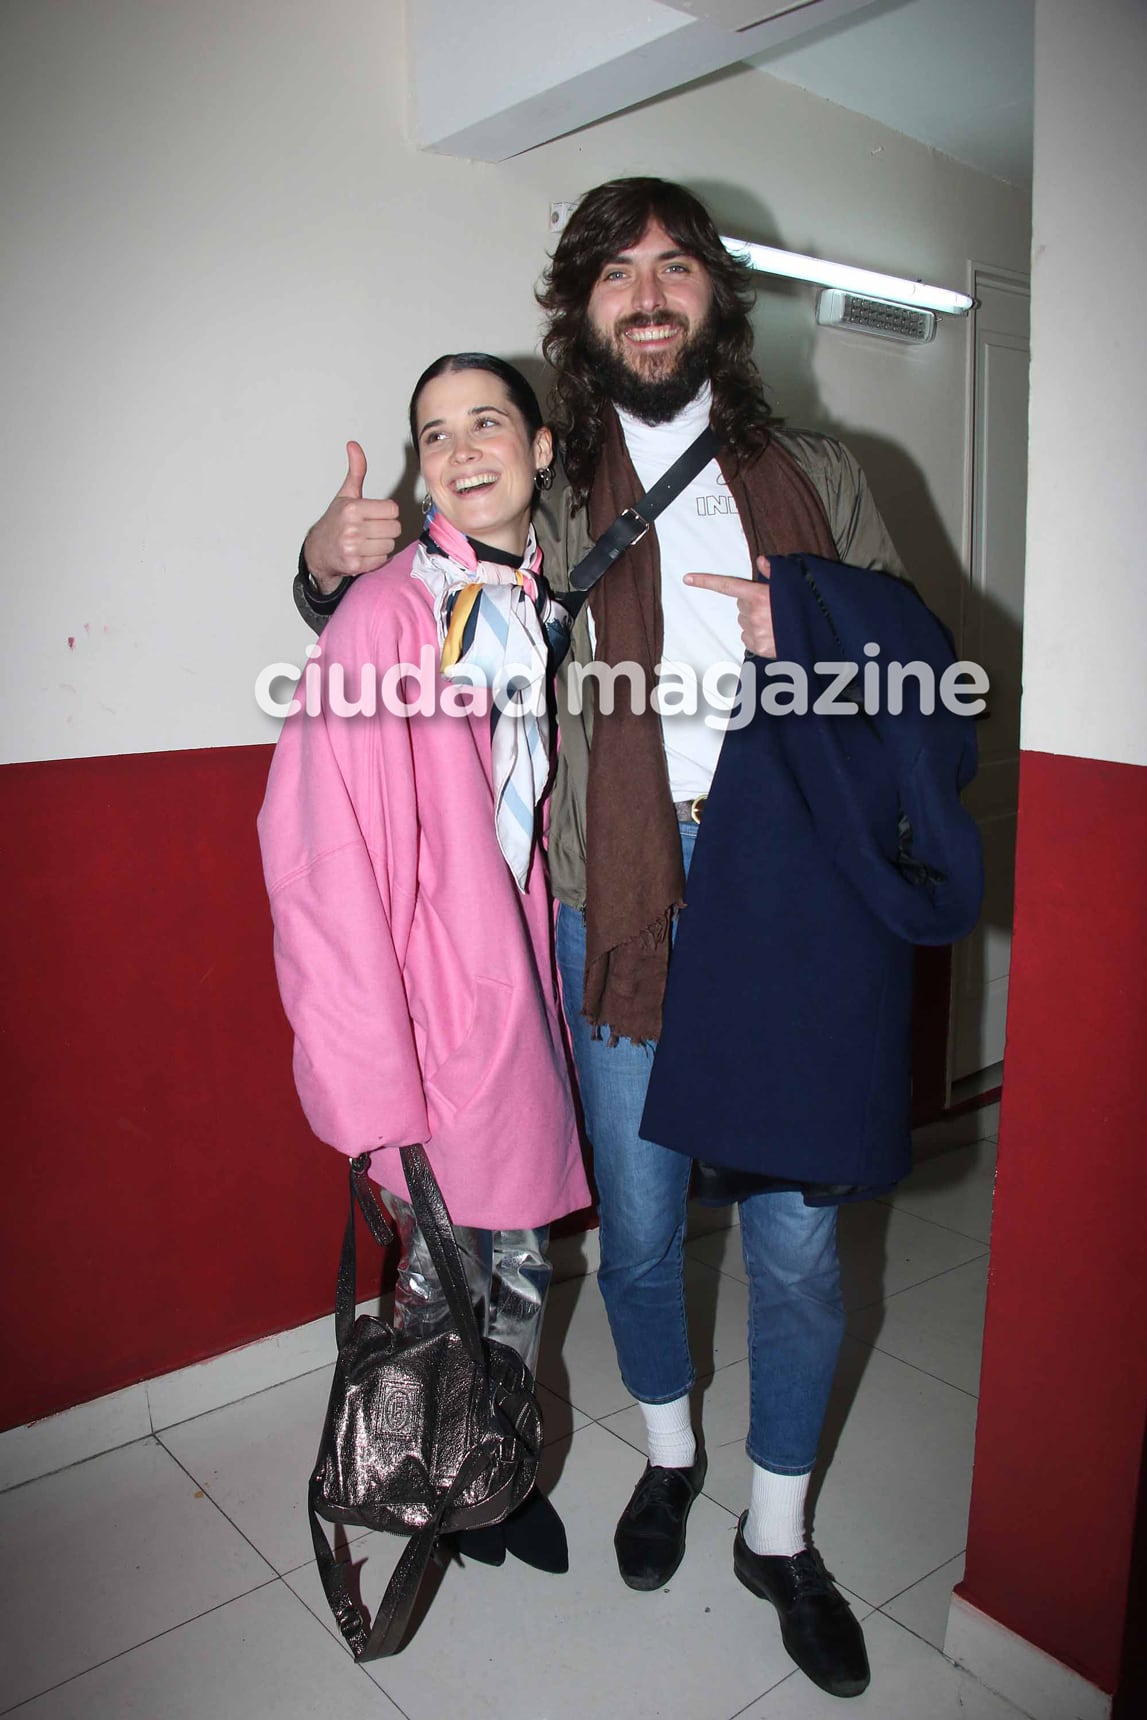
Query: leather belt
pixel 689 811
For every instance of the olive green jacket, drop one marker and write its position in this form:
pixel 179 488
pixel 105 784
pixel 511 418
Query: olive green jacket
pixel 860 536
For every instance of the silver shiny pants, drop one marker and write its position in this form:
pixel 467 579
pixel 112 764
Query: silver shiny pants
pixel 506 1270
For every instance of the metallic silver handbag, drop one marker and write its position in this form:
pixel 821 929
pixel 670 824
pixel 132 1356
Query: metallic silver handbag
pixel 423 1436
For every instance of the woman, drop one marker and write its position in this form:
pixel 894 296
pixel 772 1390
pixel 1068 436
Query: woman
pixel 412 917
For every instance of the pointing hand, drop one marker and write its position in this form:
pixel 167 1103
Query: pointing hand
pixel 754 605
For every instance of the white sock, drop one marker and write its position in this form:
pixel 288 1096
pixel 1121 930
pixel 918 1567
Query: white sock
pixel 669 1433
pixel 775 1524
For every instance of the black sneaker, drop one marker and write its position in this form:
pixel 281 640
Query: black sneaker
pixel 818 1627
pixel 650 1536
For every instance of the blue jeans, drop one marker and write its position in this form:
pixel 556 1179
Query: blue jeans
pixel 796 1320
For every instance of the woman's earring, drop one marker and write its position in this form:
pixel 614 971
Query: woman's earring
pixel 544 477
pixel 427 503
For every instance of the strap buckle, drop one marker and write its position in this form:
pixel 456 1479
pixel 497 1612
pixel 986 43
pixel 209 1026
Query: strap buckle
pixel 697 807
pixel 633 518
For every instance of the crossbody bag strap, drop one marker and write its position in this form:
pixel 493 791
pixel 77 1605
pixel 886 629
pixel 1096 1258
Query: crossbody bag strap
pixel 631 524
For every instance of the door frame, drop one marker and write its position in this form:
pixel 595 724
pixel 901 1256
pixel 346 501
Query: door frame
pixel 1004 279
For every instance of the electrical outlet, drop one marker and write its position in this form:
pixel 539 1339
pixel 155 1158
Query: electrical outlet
pixel 559 215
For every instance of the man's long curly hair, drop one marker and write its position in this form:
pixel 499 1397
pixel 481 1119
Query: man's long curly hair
pixel 609 220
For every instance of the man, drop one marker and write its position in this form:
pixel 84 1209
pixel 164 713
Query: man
pixel 649 338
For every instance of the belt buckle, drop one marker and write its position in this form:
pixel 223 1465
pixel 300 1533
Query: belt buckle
pixel 632 515
pixel 697 807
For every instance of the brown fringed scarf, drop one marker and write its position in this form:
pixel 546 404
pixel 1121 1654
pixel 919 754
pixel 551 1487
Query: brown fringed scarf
pixel 634 876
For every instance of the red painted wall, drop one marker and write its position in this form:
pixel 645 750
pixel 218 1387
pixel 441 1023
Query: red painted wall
pixel 164 1199
pixel 1063 1396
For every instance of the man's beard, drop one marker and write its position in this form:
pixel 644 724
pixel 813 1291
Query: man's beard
pixel 654 400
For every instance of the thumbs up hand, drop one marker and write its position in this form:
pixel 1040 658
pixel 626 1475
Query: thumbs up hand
pixel 356 534
pixel 355 471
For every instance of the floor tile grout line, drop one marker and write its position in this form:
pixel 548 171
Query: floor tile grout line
pixel 382 1691
pixel 912 1631
pixel 156 1432
pixel 896 1206
pixel 350 1541
pixel 340 1643
pixel 620 1436
pixel 760 1697
pixel 258 1551
pixel 717 1271
pixel 233 1403
pixel 945 1272
pixel 915 1366
pixel 305 1564
pixel 142 1643
pixel 909 1586
pixel 76 1463
pixel 721 1506
pixel 877 1301
pixel 720 1271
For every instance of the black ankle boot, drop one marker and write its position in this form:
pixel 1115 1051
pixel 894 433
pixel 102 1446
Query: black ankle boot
pixel 486 1546
pixel 535 1534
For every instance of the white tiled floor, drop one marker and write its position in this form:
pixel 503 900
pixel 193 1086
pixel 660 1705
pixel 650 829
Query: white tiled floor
pixel 172 1579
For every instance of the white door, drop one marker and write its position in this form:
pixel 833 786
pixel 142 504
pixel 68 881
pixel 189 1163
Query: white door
pixel 990 634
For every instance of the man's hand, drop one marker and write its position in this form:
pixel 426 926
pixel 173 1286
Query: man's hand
pixel 754 605
pixel 355 535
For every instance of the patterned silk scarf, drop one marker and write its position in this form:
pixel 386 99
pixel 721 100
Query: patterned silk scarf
pixel 491 636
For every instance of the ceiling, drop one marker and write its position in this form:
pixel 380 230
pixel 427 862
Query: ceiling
pixel 956 74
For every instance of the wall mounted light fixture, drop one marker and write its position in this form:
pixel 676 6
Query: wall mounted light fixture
pixel 893 289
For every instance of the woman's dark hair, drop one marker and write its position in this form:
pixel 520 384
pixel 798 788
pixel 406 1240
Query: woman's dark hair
pixel 516 386
pixel 607 221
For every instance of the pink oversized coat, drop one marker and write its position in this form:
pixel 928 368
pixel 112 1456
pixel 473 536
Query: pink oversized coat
pixel 418 979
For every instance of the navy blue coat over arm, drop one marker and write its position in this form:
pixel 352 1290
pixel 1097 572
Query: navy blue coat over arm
pixel 830 845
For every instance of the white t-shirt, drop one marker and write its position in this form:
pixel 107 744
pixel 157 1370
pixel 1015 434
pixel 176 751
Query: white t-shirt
pixel 699 532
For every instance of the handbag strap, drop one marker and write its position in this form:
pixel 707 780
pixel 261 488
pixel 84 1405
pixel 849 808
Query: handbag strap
pixel 631 524
pixel 383 1233
pixel 365 1640
pixel 434 1223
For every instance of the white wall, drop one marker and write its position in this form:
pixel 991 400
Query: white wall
pixel 228 259
pixel 1085 684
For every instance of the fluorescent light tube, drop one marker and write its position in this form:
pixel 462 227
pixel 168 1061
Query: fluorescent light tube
pixel 893 288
